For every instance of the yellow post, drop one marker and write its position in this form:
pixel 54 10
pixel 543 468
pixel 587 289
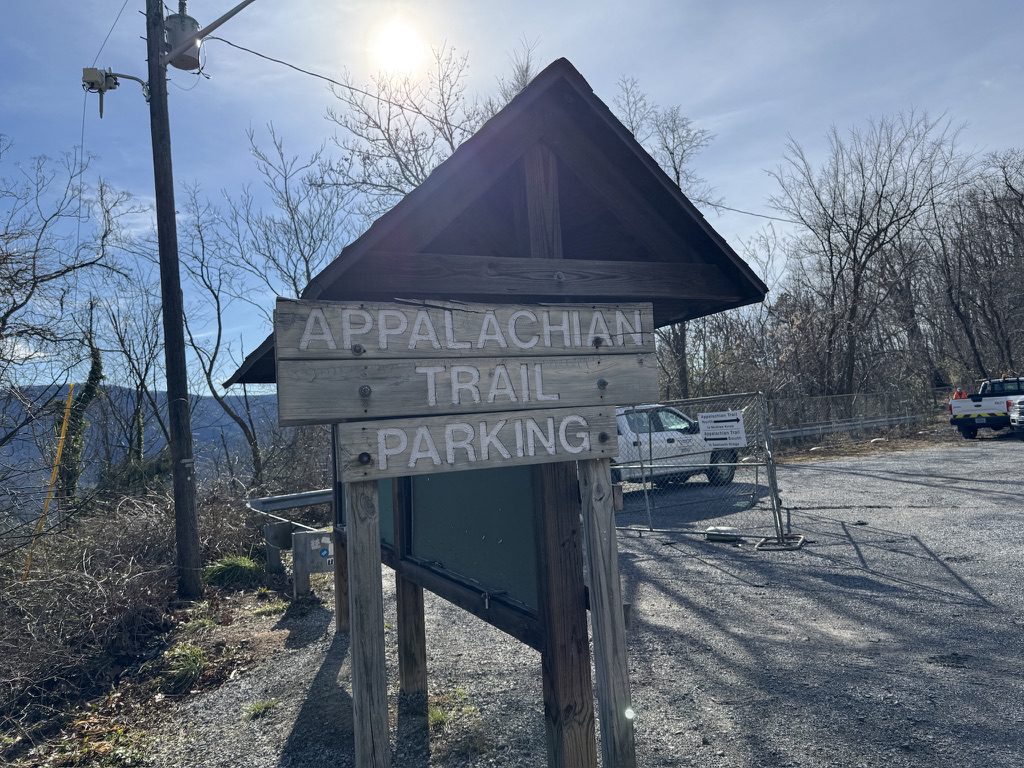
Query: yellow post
pixel 41 523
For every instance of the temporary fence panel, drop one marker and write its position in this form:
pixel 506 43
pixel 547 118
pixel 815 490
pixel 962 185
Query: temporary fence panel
pixel 700 463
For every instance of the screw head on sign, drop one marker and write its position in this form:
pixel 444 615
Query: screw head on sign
pixel 365 458
pixel 602 437
pixel 602 384
pixel 358 349
pixel 364 390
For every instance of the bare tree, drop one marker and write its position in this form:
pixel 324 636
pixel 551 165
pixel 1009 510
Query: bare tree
pixel 854 210
pixel 41 260
pixel 673 141
pixel 285 236
pixel 396 130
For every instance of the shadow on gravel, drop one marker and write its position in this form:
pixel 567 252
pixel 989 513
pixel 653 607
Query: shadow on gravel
pixel 692 504
pixel 865 648
pixel 947 482
pixel 306 621
pixel 322 733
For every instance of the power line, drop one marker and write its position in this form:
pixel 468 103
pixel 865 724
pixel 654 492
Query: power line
pixel 109 32
pixel 407 108
pixel 375 96
pixel 745 213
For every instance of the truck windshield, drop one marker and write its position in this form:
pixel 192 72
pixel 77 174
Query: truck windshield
pixel 673 421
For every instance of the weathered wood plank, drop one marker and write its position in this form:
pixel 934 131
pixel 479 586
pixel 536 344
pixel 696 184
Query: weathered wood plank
pixel 405 447
pixel 366 612
pixel 319 391
pixel 606 614
pixel 397 274
pixel 543 212
pixel 565 658
pixel 325 330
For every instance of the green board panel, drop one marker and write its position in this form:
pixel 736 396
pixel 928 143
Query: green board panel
pixel 479 525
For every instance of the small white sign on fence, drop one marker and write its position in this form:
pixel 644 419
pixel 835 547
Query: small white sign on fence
pixel 723 429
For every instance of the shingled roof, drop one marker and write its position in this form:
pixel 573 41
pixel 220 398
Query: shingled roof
pixel 627 232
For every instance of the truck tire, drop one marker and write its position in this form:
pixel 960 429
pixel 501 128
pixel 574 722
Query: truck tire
pixel 722 471
pixel 969 433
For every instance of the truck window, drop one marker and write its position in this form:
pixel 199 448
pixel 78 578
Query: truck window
pixel 639 422
pixel 673 421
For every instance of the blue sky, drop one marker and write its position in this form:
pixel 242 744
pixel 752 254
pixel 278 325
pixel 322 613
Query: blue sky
pixel 752 72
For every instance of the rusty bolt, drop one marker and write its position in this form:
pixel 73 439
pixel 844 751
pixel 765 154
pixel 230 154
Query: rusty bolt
pixel 365 458
pixel 364 390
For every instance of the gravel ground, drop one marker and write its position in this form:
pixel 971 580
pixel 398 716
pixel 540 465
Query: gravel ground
pixel 893 638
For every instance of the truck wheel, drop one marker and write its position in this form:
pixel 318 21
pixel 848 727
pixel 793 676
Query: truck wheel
pixel 722 471
pixel 969 433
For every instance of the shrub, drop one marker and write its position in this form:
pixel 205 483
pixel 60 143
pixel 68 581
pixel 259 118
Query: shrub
pixel 184 664
pixel 234 572
pixel 93 603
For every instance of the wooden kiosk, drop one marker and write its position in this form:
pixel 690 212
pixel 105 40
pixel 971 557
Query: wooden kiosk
pixel 471 348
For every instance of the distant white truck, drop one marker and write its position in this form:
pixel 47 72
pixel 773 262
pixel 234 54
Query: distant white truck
pixel 989 408
pixel 661 442
pixel 1016 409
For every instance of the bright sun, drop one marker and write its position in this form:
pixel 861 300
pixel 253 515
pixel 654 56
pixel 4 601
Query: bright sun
pixel 396 46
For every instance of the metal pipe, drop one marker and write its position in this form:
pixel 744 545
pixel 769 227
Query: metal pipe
pixel 292 500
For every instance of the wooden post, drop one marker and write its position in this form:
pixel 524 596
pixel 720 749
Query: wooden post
pixel 542 209
pixel 565 658
pixel 412 629
pixel 341 618
pixel 366 613
pixel 188 554
pixel 606 615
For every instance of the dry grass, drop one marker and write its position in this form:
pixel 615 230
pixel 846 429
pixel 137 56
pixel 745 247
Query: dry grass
pixel 94 605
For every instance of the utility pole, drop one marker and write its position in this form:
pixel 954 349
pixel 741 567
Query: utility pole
pixel 186 521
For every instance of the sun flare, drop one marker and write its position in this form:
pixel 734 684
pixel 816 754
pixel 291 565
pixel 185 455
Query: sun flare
pixel 397 47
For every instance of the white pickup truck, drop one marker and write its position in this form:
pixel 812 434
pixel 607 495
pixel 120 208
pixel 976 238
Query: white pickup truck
pixel 659 441
pixel 989 408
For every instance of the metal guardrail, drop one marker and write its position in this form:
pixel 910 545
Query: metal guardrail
pixel 267 505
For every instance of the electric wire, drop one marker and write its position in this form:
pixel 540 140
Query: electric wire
pixel 747 213
pixel 374 96
pixel 407 108
pixel 109 32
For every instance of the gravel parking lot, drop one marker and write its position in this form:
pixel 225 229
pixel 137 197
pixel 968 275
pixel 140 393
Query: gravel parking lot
pixel 893 638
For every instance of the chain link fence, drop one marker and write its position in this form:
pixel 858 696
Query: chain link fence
pixel 813 418
pixel 701 465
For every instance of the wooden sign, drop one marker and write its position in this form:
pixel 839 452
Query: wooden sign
pixel 346 361
pixel 321 330
pixel 397 448
pixel 316 391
